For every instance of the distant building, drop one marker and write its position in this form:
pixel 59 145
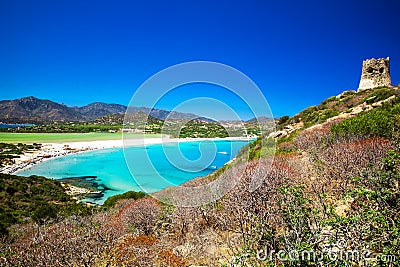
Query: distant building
pixel 128 130
pixel 375 73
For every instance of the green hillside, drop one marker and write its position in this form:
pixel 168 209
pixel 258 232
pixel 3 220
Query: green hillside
pixel 345 102
pixel 35 198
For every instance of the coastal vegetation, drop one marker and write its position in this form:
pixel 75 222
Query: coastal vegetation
pixel 68 131
pixel 35 198
pixel 196 129
pixel 176 129
pixel 383 122
pixel 332 189
pixel 110 202
pixel 345 102
pixel 8 152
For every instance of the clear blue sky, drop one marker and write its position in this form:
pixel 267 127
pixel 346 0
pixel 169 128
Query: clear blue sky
pixel 297 52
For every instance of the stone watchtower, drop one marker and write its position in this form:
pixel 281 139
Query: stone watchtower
pixel 375 73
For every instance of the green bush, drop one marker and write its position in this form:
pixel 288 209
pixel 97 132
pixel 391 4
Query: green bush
pixel 382 122
pixel 348 98
pixel 327 101
pixel 110 202
pixel 313 116
pixel 262 147
pixel 283 119
pixel 6 220
pixel 288 138
pixel 378 95
pixel 309 115
pixel 43 212
pixel 24 199
pixel 326 114
pixel 347 94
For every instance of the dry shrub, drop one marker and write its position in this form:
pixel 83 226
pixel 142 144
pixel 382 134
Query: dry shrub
pixel 142 250
pixel 254 215
pixel 339 163
pixel 286 146
pixel 312 140
pixel 142 214
pixel 74 241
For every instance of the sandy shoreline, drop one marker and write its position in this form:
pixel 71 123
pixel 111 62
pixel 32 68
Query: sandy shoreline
pixel 53 150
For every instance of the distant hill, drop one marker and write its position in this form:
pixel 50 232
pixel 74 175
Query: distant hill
pixel 204 119
pixel 110 119
pixel 260 119
pixel 99 109
pixel 162 114
pixel 136 118
pixel 141 118
pixel 34 110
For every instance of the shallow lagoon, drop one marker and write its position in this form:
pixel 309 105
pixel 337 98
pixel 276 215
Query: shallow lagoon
pixel 153 167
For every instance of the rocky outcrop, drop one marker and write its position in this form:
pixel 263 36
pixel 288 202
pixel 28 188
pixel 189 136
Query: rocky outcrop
pixel 287 130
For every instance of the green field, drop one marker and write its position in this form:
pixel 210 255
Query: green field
pixel 66 137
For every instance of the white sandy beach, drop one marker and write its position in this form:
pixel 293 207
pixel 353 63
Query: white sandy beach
pixel 52 150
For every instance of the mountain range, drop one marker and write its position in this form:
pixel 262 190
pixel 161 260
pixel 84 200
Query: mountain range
pixel 31 109
pixel 34 110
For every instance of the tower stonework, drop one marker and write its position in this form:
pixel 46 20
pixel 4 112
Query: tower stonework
pixel 375 73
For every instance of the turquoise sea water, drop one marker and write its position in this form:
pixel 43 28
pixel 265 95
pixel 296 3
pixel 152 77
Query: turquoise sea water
pixel 140 168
